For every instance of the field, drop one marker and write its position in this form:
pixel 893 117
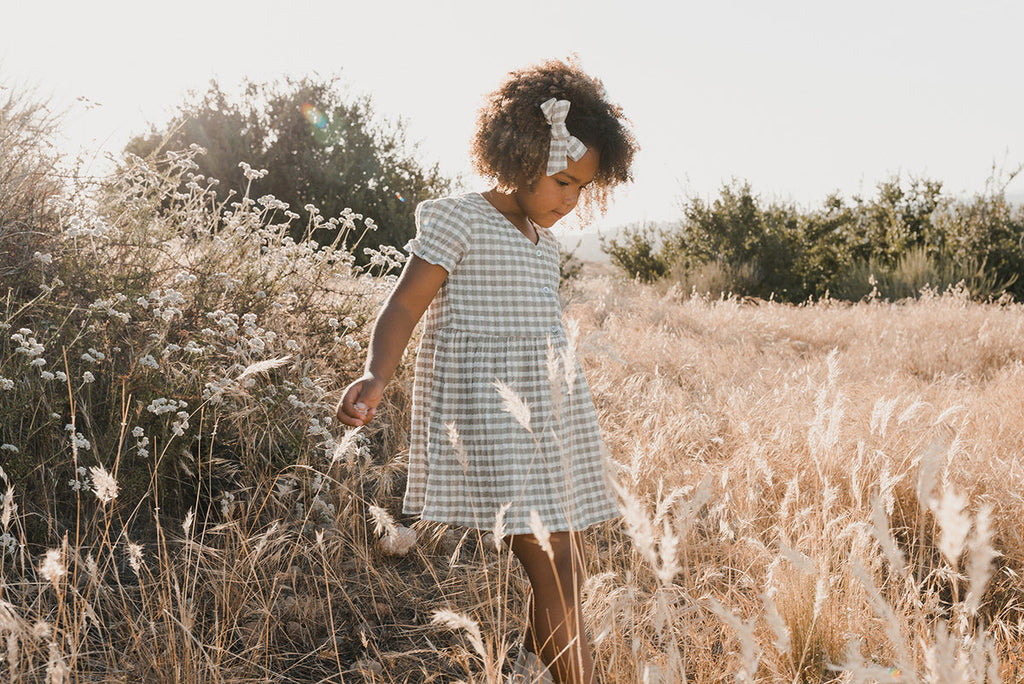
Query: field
pixel 827 492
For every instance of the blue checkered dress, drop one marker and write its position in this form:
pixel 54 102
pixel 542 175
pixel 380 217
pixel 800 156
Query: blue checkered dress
pixel 497 317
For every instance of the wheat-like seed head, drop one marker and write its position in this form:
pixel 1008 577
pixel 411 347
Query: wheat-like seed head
pixel 541 533
pixel 262 367
pixel 52 568
pixel 954 523
pixel 382 521
pixel 513 404
pixel 499 524
pixel 981 555
pixel 454 620
pixel 103 484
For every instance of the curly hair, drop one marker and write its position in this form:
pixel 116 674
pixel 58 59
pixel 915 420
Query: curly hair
pixel 512 137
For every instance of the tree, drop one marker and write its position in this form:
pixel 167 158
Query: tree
pixel 318 148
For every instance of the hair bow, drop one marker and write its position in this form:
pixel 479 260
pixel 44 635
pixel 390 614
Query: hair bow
pixel 562 144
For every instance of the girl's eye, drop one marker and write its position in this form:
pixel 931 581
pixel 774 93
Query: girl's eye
pixel 561 182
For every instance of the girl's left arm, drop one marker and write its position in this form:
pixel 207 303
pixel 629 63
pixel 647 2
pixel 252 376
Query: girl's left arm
pixel 415 289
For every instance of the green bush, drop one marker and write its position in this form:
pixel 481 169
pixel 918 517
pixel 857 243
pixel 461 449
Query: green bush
pixel 635 251
pixel 758 245
pixel 908 237
pixel 321 149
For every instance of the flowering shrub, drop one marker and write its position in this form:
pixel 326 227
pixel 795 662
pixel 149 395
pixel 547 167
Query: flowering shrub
pixel 160 326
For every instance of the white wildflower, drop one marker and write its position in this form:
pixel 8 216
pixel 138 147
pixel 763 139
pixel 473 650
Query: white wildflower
pixel 88 377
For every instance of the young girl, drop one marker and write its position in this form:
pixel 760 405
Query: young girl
pixel 487 266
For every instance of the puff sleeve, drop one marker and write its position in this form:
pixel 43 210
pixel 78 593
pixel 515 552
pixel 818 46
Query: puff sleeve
pixel 442 233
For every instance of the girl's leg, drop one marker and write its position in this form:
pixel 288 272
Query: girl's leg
pixel 554 631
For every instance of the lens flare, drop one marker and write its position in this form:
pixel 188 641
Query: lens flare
pixel 314 116
pixel 399 196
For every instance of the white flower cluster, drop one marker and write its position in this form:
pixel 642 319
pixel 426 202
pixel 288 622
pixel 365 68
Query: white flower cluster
pixel 271 203
pixel 107 306
pixel 81 481
pixel 251 173
pixel 316 429
pixel 387 256
pixel 163 405
pixel 80 442
pixel 141 442
pixel 87 225
pixel 179 426
pixel 93 356
pixel 227 321
pixel 166 305
pixel 27 344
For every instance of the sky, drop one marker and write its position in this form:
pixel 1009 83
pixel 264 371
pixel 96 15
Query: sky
pixel 799 98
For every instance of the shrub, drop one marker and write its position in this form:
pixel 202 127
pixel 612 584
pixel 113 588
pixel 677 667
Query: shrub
pixel 910 236
pixel 172 340
pixel 635 252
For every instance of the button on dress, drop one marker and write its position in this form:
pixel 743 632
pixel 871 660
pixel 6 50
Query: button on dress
pixel 497 317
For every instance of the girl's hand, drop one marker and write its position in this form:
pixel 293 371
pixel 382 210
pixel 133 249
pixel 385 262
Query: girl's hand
pixel 359 403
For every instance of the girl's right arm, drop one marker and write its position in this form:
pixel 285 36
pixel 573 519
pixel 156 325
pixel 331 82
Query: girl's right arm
pixel 415 289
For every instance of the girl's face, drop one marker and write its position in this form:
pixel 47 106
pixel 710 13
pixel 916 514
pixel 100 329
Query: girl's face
pixel 552 197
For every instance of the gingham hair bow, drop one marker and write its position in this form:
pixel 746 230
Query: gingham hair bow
pixel 562 144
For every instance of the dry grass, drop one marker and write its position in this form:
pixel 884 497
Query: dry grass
pixel 833 478
pixel 818 493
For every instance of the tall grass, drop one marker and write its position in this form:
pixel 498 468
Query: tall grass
pixel 821 493
pixel 839 486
